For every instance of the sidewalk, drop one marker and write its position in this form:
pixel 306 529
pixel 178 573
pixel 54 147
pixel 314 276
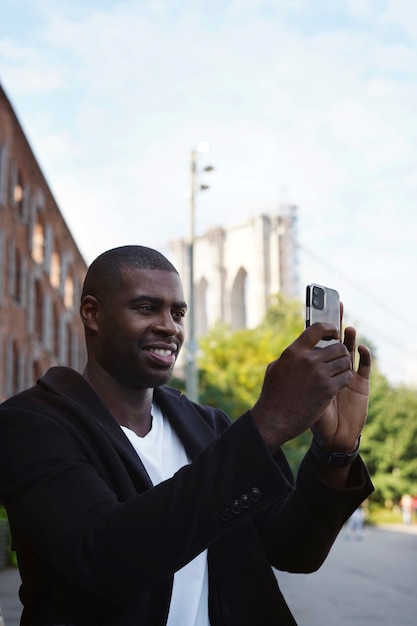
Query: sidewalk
pixel 400 528
pixel 365 581
pixel 9 599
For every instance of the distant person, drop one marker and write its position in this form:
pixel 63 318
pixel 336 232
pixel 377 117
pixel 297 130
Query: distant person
pixel 355 524
pixel 406 505
pixel 131 505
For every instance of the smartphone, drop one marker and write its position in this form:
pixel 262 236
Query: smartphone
pixel 323 305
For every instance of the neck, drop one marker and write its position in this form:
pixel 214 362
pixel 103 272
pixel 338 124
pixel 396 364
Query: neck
pixel 129 407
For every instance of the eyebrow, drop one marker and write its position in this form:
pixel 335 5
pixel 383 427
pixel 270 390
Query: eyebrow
pixel 157 301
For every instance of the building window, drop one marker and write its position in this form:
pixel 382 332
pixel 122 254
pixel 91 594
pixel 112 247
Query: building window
pixel 17 192
pixel 55 330
pixel 38 243
pixel 69 292
pixel 38 310
pixel 3 173
pixel 55 272
pixel 17 288
pixel 15 272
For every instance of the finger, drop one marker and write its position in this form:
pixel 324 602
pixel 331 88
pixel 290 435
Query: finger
pixel 365 361
pixel 349 340
pixel 339 365
pixel 312 335
pixel 333 352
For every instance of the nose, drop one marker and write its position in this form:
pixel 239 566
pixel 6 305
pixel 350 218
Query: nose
pixel 166 324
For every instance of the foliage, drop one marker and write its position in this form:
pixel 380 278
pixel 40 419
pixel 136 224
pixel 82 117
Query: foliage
pixel 382 515
pixel 390 440
pixel 231 370
pixel 232 364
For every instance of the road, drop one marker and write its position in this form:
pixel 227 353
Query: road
pixel 367 582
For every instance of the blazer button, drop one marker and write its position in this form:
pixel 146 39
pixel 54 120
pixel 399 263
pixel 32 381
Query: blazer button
pixel 255 494
pixel 226 514
pixel 245 501
pixel 236 508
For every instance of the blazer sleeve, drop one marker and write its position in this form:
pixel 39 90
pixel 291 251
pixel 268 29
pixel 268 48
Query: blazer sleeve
pixel 298 532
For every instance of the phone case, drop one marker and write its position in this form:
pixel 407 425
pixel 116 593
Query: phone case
pixel 322 305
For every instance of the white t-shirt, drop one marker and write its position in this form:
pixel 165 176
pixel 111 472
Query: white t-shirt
pixel 163 454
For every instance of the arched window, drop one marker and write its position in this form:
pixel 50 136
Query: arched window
pixel 18 192
pixel 55 330
pixel 238 302
pixel 55 271
pixel 38 243
pixel 17 287
pixel 69 292
pixel 38 310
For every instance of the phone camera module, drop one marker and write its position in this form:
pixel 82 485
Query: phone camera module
pixel 318 298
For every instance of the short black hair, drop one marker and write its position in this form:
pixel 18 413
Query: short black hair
pixel 104 273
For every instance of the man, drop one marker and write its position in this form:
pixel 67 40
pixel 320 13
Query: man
pixel 131 505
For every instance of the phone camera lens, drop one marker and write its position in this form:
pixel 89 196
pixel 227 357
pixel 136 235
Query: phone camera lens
pixel 318 298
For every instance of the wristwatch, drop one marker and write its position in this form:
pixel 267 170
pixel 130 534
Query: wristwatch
pixel 334 459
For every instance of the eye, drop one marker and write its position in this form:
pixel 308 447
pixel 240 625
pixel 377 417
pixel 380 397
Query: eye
pixel 178 314
pixel 146 308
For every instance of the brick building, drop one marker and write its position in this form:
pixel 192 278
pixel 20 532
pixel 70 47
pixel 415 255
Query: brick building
pixel 41 268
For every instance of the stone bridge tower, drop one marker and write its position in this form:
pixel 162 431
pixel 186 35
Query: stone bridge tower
pixel 237 271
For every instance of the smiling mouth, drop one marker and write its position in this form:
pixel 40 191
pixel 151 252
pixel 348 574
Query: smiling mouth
pixel 161 351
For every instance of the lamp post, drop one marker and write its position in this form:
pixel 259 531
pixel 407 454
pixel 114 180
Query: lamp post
pixel 191 379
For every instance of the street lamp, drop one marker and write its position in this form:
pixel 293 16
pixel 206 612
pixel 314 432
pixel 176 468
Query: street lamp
pixel 191 379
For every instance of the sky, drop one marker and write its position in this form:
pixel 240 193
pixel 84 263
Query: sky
pixel 308 102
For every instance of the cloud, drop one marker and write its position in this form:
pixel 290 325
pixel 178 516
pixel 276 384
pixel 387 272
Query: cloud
pixel 403 14
pixel 26 71
pixel 309 103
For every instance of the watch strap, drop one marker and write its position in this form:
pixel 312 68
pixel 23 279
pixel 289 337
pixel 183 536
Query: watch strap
pixel 334 459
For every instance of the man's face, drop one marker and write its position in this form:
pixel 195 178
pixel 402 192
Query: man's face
pixel 140 328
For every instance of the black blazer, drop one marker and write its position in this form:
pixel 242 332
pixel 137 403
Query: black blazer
pixel 97 544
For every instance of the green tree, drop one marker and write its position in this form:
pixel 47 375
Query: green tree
pixel 231 371
pixel 232 364
pixel 389 444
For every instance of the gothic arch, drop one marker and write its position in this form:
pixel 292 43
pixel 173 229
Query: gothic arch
pixel 237 270
pixel 238 300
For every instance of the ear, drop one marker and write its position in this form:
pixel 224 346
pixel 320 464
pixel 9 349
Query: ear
pixel 88 312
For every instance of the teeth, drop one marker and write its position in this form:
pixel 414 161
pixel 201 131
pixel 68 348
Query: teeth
pixel 161 352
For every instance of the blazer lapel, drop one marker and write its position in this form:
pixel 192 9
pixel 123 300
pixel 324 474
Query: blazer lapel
pixel 193 431
pixel 92 412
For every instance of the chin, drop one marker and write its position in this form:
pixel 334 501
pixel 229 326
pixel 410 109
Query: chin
pixel 155 380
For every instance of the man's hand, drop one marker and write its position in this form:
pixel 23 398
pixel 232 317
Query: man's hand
pixel 343 419
pixel 302 385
